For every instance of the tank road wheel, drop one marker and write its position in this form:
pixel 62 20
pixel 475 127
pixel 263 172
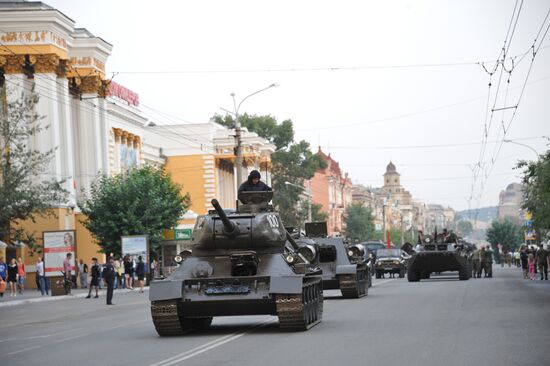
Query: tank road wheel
pixel 464 273
pixel 413 276
pixel 168 321
pixel 301 311
pixel 354 285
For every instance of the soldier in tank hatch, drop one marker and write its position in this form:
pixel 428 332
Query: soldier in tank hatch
pixel 254 183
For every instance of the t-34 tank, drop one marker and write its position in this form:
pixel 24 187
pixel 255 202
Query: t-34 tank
pixel 344 266
pixel 437 256
pixel 238 266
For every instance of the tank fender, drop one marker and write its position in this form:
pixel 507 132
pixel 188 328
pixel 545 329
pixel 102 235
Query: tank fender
pixel 346 269
pixel 165 290
pixel 285 284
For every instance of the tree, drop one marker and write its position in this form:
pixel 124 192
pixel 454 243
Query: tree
pixel 359 222
pixel 143 202
pixel 26 190
pixel 292 161
pixel 464 228
pixel 504 232
pixel 536 190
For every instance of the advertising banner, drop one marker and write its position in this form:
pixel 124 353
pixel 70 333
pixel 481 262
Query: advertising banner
pixel 56 246
pixel 135 246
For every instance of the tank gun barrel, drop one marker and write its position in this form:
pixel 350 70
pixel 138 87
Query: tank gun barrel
pixel 292 242
pixel 229 227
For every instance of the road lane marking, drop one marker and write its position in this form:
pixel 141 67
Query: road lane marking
pixel 210 345
pixel 71 338
pixel 25 338
pixel 22 350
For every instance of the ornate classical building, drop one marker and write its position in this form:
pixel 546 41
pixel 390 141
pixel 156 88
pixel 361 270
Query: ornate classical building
pixel 97 126
pixel 331 188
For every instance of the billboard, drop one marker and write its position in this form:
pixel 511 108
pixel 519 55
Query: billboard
pixel 56 246
pixel 134 246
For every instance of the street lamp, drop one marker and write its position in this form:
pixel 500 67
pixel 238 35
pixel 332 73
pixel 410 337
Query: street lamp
pixel 524 145
pixel 238 153
pixel 308 193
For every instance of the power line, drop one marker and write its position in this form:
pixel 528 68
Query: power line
pixel 424 146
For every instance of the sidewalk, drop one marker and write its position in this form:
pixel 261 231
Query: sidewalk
pixel 30 296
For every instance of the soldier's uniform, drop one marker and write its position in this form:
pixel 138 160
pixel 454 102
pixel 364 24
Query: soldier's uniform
pixel 487 262
pixel 476 263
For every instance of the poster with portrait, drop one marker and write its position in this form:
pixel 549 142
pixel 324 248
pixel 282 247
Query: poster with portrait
pixel 135 246
pixel 56 246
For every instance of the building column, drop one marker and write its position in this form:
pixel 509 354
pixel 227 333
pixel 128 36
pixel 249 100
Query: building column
pixel 46 84
pixel 66 146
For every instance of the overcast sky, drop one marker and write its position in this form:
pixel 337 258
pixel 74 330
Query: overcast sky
pixel 341 81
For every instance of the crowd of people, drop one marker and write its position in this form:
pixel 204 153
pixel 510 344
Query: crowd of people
pixel 124 273
pixel 534 258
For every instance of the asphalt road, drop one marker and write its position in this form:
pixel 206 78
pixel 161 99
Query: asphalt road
pixel 441 321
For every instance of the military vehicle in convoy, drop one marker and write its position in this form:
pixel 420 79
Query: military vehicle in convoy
pixel 435 256
pixel 239 264
pixel 344 266
pixel 392 261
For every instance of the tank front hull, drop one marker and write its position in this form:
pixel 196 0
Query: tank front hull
pixel 437 262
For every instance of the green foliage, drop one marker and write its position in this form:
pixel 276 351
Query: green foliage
pixel 292 162
pixel 359 222
pixel 504 232
pixel 143 202
pixel 26 189
pixel 281 135
pixel 536 190
pixel 464 228
pixel 395 236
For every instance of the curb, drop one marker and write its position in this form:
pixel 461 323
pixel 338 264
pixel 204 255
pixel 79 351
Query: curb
pixel 57 298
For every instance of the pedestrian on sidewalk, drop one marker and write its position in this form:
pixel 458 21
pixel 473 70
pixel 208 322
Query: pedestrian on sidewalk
pixel 94 283
pixel 67 273
pixel 83 270
pixel 128 271
pixel 13 272
pixel 118 274
pixel 21 275
pixel 542 261
pixel 109 275
pixel 3 274
pixel 40 276
pixel 531 265
pixel 524 257
pixel 140 272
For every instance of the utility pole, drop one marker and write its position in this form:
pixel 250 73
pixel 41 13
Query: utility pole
pixel 238 139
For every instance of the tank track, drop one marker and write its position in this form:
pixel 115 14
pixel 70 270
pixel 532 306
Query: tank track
pixel 168 321
pixel 354 285
pixel 301 311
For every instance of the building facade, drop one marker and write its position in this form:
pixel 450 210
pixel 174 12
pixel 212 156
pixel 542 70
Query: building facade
pixel 509 203
pixel 97 126
pixel 332 189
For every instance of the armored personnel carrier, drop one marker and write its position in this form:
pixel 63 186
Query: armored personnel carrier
pixel 437 256
pixel 238 265
pixel 344 266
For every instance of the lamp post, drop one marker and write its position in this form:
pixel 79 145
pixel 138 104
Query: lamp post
pixel 309 195
pixel 524 145
pixel 238 153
